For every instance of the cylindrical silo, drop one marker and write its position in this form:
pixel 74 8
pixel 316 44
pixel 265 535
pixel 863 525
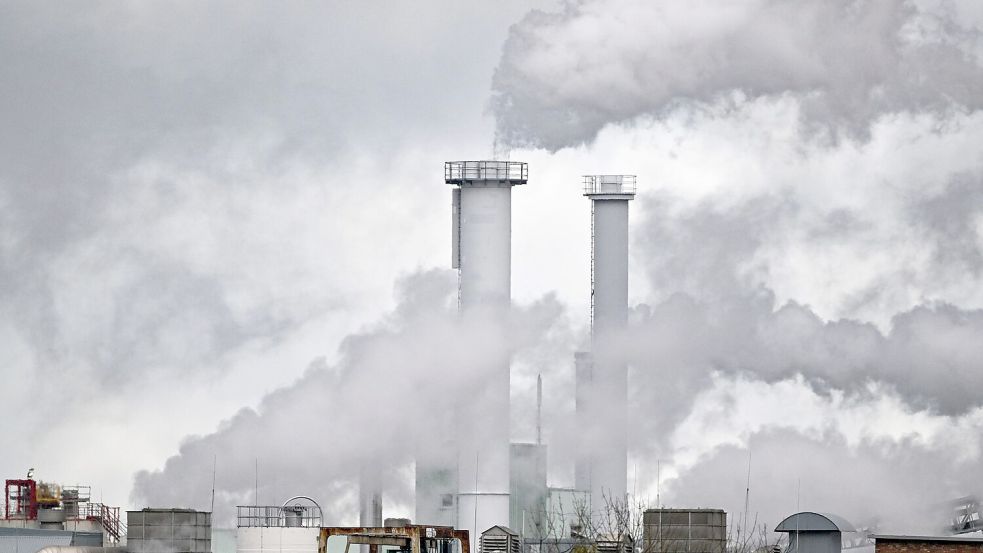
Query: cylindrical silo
pixel 607 436
pixel 482 252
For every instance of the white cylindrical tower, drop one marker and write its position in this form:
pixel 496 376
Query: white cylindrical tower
pixel 607 437
pixel 483 253
pixel 370 494
pixel 583 415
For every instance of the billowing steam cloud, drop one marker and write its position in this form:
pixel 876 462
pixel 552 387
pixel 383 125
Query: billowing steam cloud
pixel 851 264
pixel 564 76
pixel 183 188
pixel 707 382
pixel 393 395
pixel 735 343
pixel 191 195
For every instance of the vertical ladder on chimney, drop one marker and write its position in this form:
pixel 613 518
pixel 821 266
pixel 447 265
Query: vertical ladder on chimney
pixel 592 268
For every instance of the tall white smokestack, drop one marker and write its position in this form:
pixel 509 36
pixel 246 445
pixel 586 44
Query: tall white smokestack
pixel 483 253
pixel 583 373
pixel 607 394
pixel 370 494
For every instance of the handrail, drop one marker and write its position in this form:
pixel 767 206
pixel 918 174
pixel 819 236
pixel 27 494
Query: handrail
pixel 457 172
pixel 108 516
pixel 609 184
pixel 275 516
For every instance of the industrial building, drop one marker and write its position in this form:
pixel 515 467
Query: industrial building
pixel 927 544
pixel 398 536
pixel 168 531
pixel 528 491
pixel 499 539
pixel 684 531
pixel 21 540
pixel 476 479
pixel 293 527
pixel 499 484
pixel 481 246
pixel 474 487
pixel 810 532
pixel 48 514
pixel 966 515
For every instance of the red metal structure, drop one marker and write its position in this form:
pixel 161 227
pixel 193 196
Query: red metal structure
pixel 108 516
pixel 22 502
pixel 21 499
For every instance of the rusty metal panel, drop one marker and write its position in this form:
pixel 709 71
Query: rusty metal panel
pixel 414 533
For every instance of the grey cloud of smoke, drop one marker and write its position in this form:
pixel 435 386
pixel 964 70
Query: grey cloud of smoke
pixel 712 311
pixel 190 191
pixel 717 319
pixel 136 143
pixel 162 206
pixel 865 454
pixel 393 392
pixel 676 349
pixel 565 75
pixel 773 252
pixel 891 487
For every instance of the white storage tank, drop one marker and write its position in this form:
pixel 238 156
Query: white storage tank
pixel 289 528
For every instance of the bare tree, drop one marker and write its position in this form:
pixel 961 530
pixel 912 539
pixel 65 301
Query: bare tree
pixel 614 525
pixel 742 538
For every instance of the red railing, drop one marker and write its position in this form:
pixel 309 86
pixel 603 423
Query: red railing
pixel 108 516
pixel 21 498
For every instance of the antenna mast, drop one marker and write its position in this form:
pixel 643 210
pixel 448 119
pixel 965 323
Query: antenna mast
pixel 539 409
pixel 214 468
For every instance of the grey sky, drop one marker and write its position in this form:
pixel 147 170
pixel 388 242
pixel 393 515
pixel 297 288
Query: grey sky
pixel 219 220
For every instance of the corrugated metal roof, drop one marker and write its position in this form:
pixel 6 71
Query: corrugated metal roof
pixel 814 522
pixel 13 543
pixel 958 539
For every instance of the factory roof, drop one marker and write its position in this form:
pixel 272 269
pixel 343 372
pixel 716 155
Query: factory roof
pixel 499 529
pixel 681 510
pixel 814 522
pixel 958 539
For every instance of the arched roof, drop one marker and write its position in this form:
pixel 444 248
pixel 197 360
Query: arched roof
pixel 814 522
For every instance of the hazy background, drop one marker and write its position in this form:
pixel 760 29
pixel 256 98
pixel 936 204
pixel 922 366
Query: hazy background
pixel 224 234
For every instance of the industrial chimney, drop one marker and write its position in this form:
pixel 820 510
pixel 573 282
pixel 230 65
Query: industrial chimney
pixel 604 374
pixel 370 494
pixel 482 251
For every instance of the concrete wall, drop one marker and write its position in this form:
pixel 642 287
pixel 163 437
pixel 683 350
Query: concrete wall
pixel 276 540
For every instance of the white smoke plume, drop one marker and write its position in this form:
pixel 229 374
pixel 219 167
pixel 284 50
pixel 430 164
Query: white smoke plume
pixel 193 194
pixel 392 395
pixel 809 174
pixel 187 194
pixel 564 76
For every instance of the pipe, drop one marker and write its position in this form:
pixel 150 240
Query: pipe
pixel 80 549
